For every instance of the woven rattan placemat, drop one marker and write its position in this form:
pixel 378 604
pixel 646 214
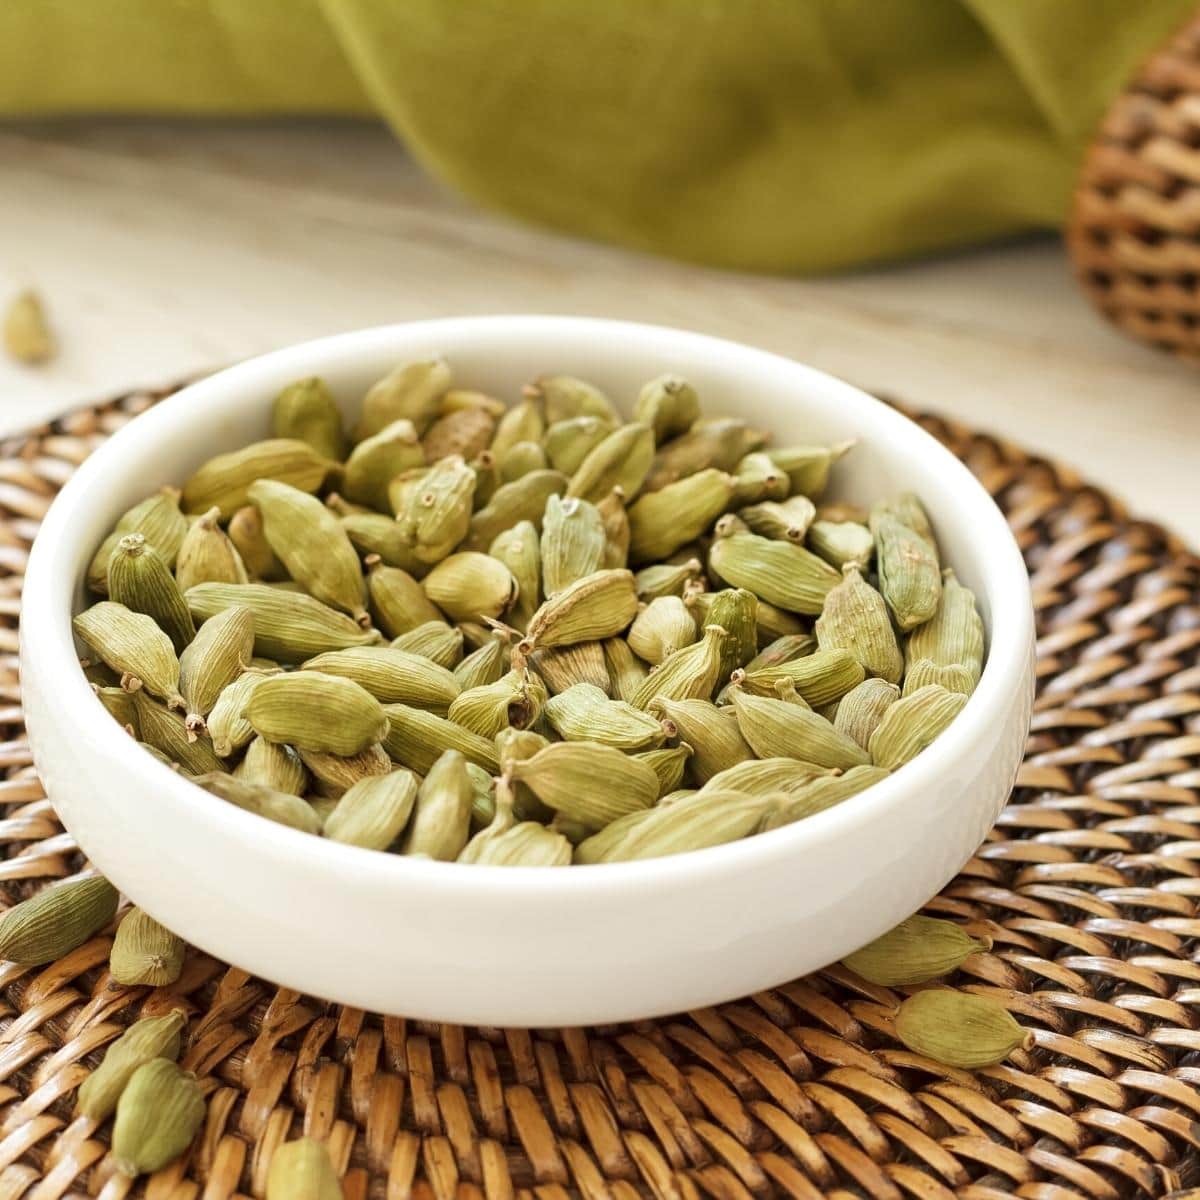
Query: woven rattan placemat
pixel 1089 886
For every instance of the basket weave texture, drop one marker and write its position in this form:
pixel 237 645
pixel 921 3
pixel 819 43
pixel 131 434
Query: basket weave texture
pixel 1089 887
pixel 1134 230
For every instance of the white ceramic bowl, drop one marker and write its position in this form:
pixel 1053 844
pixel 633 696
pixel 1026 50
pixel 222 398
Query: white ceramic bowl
pixel 490 945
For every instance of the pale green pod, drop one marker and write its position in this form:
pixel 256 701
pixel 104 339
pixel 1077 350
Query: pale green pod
pixel 145 953
pixel 917 950
pixel 564 396
pixel 220 653
pixel 714 444
pixel 678 513
pixel 568 442
pixel 757 479
pixel 769 776
pixel 56 920
pixel 572 542
pixel 416 738
pixel 820 678
pixel 437 512
pixel 689 674
pixel 821 793
pixel 483 798
pixel 511 746
pixel 520 459
pixel 661 628
pixel 776 729
pixel 303 1170
pixel 168 733
pixel 142 1042
pixel 441 820
pixel 784 520
pixel 519 550
pixel 621 460
pixel 458 399
pixel 953 636
pixel 159 1113
pixel 783 649
pixel 583 713
pixel 434 640
pixel 281 807
pixel 669 405
pixel 692 823
pixel 598 606
pixel 666 579
pixel 228 729
pixel 482 666
pixel 808 467
pixel 626 672
pixel 245 531
pixel 953 677
pixel 471 586
pixel 207 555
pixel 134 646
pixel 841 543
pixel 861 709
pixel 912 722
pixel 377 460
pixel 959 1029
pixel 375 536
pixel 736 611
pixel 403 489
pixel 910 577
pixel 562 667
pixel 158 518
pixel 522 500
pixel 273 765
pixel 306 410
pixel 526 844
pixel 617 531
pixel 521 423
pixel 398 602
pixel 713 734
pixel 224 482
pixel 288 626
pixel 373 812
pixel 412 392
pixel 464 431
pixel 778 572
pixel 564 776
pixel 669 764
pixel 855 618
pixel 139 578
pixel 514 700
pixel 392 676
pixel 314 711
pixel 120 705
pixel 908 510
pixel 335 774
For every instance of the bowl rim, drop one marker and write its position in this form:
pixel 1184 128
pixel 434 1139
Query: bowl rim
pixel 1004 672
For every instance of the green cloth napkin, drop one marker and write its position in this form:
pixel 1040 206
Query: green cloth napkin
pixel 781 135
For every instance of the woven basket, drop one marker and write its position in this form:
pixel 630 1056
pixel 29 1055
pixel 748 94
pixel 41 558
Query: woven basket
pixel 1134 229
pixel 1089 887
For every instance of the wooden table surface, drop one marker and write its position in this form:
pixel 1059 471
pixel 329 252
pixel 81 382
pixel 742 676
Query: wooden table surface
pixel 163 249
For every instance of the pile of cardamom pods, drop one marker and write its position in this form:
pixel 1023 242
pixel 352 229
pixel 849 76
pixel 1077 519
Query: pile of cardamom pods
pixel 533 635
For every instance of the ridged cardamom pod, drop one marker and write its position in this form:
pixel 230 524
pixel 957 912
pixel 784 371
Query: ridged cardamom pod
pixel 485 665
pixel 766 776
pixel 564 776
pixel 661 628
pixel 718 444
pixel 483 796
pixel 224 482
pixel 412 391
pixel 398 602
pixel 909 725
pixel 158 1115
pixel 273 765
pixel 622 460
pixel 626 671
pixel 861 709
pixel 373 812
pixel 712 733
pixel 910 576
pixel 139 578
pixel 693 823
pixel 246 533
pixel 220 653
pixel 669 764
pixel 335 774
pixel 778 572
pixel 821 678
pixel 133 645
pixel 736 611
pixel 145 953
pixel 777 729
pixel 310 542
pixel 377 460
pixel 583 713
pixel 434 640
pixel 302 1170
pixel 56 920
pixel 521 423
pixel 568 442
pixel 688 674
pixel 392 676
pixel 564 396
pixel 465 431
pixel 782 650
pixel 562 667
pixel 598 606
pixel 526 844
pixel 436 514
pixel 515 700
pixel 908 510
pixel 208 556
pixel 511 746
pixel 142 1042
pixel 662 521
pixel 167 732
pixel 227 727
pixel 416 739
pixel 314 711
pixel 821 793
pixel 952 677
pixel 617 532
pixel 522 500
pixel 572 542
pixel 840 543
pixel 288 626
pixel 158 518
pixel 783 520
pixel 519 550
pixel 808 467
pixel 374 535
pixel 471 586
pixel 441 821
pixel 959 1029
pixel 280 807
pixel 953 636
pixel 520 459
pixel 306 410
pixel 669 405
pixel 916 951
pixel 757 479
pixel 666 579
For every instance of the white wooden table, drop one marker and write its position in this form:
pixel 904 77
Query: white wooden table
pixel 164 248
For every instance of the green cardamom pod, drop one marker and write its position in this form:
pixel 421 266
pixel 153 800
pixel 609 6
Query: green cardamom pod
pixel 661 628
pixel 206 555
pixel 56 920
pixel 778 572
pixel 281 807
pixel 159 1113
pixel 768 776
pixel 516 700
pixel 666 579
pixel 777 729
pixel 662 521
pixel 959 1029
pixel 713 734
pixel 375 536
pixel 133 645
pixel 736 611
pixel 862 708
pixel 273 765
pixel 167 732
pixel 669 405
pixel 377 460
pixel 224 482
pixel 916 951
pixel 435 640
pixel 471 586
pixel 519 550
pixel 145 953
pixel 953 677
pixel 717 444
pixel 464 431
pixel 910 576
pixel 622 460
pixel 841 543
pixel 688 674
pixel 597 606
pixel 784 520
pixel 373 812
pixel 758 479
pixel 568 442
pixel 820 678
pixel 521 423
pixel 437 512
pixel 564 396
pixel 315 711
pixel 142 1042
pixel 617 531
pixel 562 667
pixel 306 410
pixel 808 467
pixel 482 666
pixel 227 727
pixel 246 533
pixel 220 653
pixel 398 602
pixel 823 792
pixel 783 649
pixel 953 636
pixel 158 519
pixel 912 722
pixel 120 705
pixel 520 459
pixel 522 500
pixel 908 510
pixel 669 764
pixel 416 739
pixel 413 392
pixel 483 797
pixel 626 672
pixel 441 821
pixel 583 713
pixel 302 1170
pixel 511 746
pixel 392 676
pixel 336 774
pixel 572 542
